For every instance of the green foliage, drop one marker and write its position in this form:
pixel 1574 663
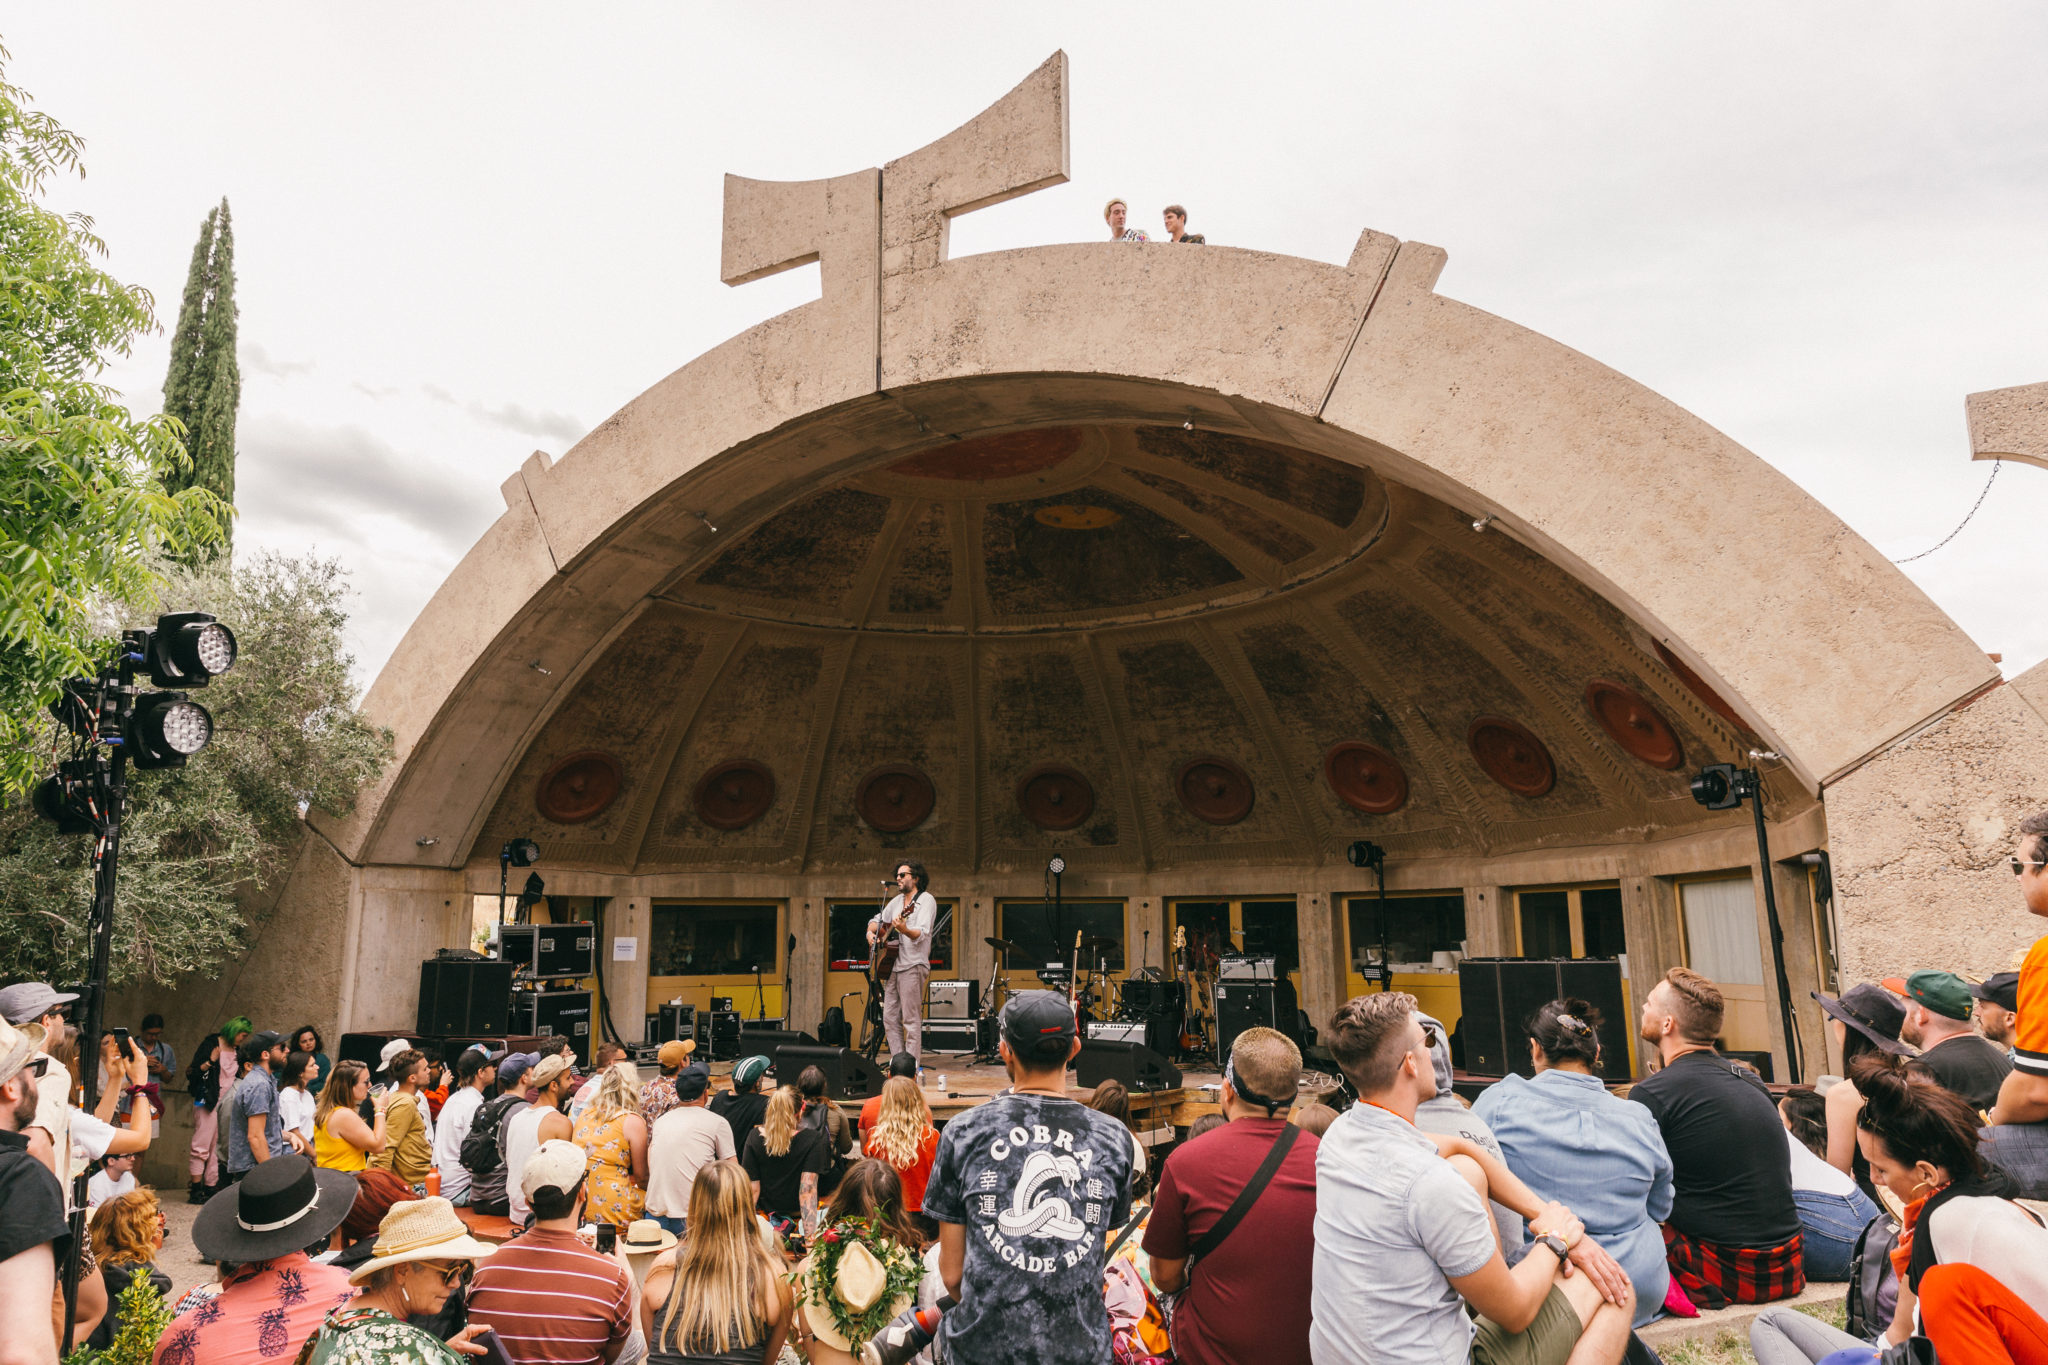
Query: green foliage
pixel 144 1316
pixel 84 513
pixel 202 839
pixel 203 388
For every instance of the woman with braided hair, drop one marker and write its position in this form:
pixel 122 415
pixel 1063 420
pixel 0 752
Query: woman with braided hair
pixel 1567 1137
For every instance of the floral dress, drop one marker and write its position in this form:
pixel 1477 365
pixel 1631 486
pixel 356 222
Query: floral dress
pixel 371 1336
pixel 614 1197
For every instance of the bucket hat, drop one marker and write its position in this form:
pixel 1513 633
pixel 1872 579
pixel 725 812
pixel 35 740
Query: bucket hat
pixel 1872 1011
pixel 285 1204
pixel 859 1280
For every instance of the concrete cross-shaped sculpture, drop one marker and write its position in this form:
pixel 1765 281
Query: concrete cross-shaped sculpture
pixel 869 229
pixel 2009 424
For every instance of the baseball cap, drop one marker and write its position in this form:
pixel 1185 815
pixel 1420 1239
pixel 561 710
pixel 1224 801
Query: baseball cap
pixel 263 1041
pixel 515 1065
pixel 549 1067
pixel 675 1052
pixel 749 1072
pixel 554 1164
pixel 1039 1025
pixel 691 1083
pixel 390 1050
pixel 2000 988
pixel 1943 992
pixel 27 1001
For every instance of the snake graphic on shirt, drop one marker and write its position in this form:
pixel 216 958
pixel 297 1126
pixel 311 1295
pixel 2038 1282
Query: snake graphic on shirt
pixel 1034 1208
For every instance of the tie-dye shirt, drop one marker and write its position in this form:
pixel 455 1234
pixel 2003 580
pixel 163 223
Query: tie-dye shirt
pixel 262 1315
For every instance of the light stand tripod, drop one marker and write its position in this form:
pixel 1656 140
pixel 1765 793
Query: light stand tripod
pixel 1366 853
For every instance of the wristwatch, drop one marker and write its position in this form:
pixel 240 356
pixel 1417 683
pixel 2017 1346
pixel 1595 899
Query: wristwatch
pixel 1555 1243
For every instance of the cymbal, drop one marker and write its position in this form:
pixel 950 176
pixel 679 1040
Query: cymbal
pixel 1099 941
pixel 992 941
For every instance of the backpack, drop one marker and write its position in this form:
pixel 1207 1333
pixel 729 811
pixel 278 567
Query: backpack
pixel 481 1151
pixel 1873 1284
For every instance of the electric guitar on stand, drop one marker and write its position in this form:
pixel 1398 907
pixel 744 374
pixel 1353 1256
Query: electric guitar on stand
pixel 1200 1015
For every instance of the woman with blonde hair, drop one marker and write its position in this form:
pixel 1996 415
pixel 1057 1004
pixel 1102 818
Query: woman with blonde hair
pixel 614 1136
pixel 784 1158
pixel 719 1298
pixel 127 1234
pixel 904 1139
pixel 341 1140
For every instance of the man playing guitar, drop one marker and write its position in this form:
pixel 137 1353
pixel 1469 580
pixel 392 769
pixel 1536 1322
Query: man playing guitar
pixel 902 937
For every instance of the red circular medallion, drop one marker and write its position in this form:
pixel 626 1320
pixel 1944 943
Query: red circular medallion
pixel 1511 756
pixel 1214 789
pixel 579 787
pixel 895 797
pixel 1054 796
pixel 1365 777
pixel 734 794
pixel 1634 724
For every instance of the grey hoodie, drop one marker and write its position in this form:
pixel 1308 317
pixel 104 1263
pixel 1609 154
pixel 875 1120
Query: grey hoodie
pixel 1447 1116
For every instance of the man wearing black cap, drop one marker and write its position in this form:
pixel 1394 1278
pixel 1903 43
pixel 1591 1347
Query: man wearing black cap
pixel 1024 1189
pixel 256 1133
pixel 1998 1008
pixel 275 1297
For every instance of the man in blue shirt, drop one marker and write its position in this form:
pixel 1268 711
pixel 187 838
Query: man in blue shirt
pixel 256 1131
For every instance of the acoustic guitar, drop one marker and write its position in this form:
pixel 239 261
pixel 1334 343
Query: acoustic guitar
pixel 882 959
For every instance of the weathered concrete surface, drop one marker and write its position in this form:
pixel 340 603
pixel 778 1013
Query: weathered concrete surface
pixel 1921 836
pixel 2009 424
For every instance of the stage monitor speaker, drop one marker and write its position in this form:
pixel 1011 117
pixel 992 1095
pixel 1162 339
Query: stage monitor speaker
pixel 848 1075
pixel 565 1014
pixel 464 996
pixel 1499 995
pixel 1137 1066
pixel 952 1036
pixel 1247 1004
pixel 767 1040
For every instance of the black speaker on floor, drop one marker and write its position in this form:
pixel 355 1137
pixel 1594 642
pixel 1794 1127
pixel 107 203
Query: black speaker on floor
pixel 766 1040
pixel 1247 1004
pixel 464 996
pixel 848 1075
pixel 1137 1066
pixel 1498 996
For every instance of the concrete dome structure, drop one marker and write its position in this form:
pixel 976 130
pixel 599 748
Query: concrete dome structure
pixel 1239 556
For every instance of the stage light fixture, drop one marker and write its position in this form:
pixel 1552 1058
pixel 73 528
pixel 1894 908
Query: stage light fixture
pixel 519 853
pixel 165 730
pixel 188 649
pixel 1720 786
pixel 534 892
pixel 65 799
pixel 1057 866
pixel 1365 853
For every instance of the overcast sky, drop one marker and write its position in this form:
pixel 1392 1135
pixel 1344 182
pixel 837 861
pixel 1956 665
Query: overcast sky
pixel 464 233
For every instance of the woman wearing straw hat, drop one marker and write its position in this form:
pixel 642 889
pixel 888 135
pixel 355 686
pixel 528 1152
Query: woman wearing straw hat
pixel 422 1249
pixel 722 1300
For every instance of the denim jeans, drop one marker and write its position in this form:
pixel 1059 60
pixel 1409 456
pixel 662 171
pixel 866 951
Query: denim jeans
pixel 674 1225
pixel 1831 1224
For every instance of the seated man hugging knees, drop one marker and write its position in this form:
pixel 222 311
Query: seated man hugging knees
pixel 1403 1239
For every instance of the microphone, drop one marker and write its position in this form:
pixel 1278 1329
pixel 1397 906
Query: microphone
pixel 887 882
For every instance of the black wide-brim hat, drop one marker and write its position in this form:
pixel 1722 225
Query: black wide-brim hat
pixel 284 1205
pixel 1872 1011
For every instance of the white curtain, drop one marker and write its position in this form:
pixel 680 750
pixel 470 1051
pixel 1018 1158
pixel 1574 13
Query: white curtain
pixel 1720 931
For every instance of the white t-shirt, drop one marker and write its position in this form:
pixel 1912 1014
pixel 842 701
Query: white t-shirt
pixel 1997 1237
pixel 684 1141
pixel 522 1140
pixel 100 1188
pixel 457 1115
pixel 1812 1174
pixel 295 1110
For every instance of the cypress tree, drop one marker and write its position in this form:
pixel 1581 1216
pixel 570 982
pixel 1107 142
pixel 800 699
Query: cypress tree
pixel 203 388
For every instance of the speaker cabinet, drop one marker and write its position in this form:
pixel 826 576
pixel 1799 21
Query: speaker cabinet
pixel 464 996
pixel 550 950
pixel 1137 1066
pixel 1248 1004
pixel 719 1036
pixel 848 1075
pixel 767 1040
pixel 954 1036
pixel 672 1022
pixel 952 999
pixel 1499 995
pixel 565 1014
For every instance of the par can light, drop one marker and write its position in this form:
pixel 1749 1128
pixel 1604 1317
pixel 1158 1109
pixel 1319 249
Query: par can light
pixel 167 729
pixel 188 648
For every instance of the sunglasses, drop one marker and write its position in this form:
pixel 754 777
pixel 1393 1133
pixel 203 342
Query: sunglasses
pixel 2020 864
pixel 36 1066
pixel 452 1272
pixel 1431 1039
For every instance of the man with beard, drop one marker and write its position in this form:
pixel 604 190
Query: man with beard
pixel 1733 1234
pixel 257 1132
pixel 1998 1008
pixel 32 1227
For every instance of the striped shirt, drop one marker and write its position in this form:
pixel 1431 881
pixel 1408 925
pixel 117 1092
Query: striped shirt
pixel 552 1300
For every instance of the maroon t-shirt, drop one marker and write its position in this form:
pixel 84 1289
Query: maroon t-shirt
pixel 1249 1300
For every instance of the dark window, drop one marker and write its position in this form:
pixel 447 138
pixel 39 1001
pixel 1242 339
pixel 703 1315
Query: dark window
pixel 1600 915
pixel 1207 926
pixel 1546 923
pixel 1417 927
pixel 847 940
pixel 714 940
pixel 1042 937
pixel 1270 928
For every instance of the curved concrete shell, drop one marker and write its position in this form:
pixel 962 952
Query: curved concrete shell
pixel 1113 510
